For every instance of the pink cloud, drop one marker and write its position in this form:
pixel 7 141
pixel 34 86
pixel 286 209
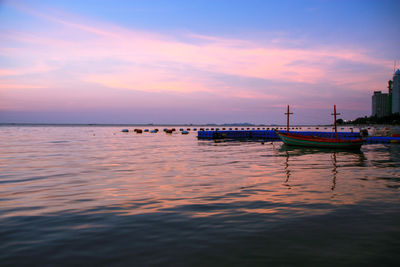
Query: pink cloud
pixel 12 85
pixel 40 67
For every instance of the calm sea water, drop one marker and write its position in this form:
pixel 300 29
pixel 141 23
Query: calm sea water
pixel 94 196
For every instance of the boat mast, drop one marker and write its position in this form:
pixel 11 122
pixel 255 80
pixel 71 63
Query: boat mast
pixel 288 113
pixel 334 115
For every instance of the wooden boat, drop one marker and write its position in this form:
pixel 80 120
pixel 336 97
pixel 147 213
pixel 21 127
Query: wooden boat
pixel 313 141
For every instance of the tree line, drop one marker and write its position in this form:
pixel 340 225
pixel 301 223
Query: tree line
pixel 390 119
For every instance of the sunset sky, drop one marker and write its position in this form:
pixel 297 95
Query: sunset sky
pixel 213 61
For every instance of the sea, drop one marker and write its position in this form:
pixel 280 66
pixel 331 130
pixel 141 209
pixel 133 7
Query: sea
pixel 96 196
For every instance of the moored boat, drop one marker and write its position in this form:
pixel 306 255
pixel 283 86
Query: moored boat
pixel 313 141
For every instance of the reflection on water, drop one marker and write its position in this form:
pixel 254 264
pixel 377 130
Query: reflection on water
pixel 334 171
pixel 94 195
pixel 287 169
pixel 357 157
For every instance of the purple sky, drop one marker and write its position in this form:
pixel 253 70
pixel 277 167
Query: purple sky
pixel 193 61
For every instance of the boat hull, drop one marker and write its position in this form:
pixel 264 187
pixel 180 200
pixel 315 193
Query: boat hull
pixel 309 141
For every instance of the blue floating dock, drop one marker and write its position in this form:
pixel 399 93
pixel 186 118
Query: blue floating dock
pixel 382 140
pixel 272 136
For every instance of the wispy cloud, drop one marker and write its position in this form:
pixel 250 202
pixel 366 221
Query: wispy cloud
pixel 16 85
pixel 221 55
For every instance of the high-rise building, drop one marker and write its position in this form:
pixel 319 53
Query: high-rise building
pixel 396 92
pixel 380 104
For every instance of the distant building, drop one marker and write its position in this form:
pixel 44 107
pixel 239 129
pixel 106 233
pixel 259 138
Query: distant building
pixel 390 89
pixel 380 107
pixel 396 92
